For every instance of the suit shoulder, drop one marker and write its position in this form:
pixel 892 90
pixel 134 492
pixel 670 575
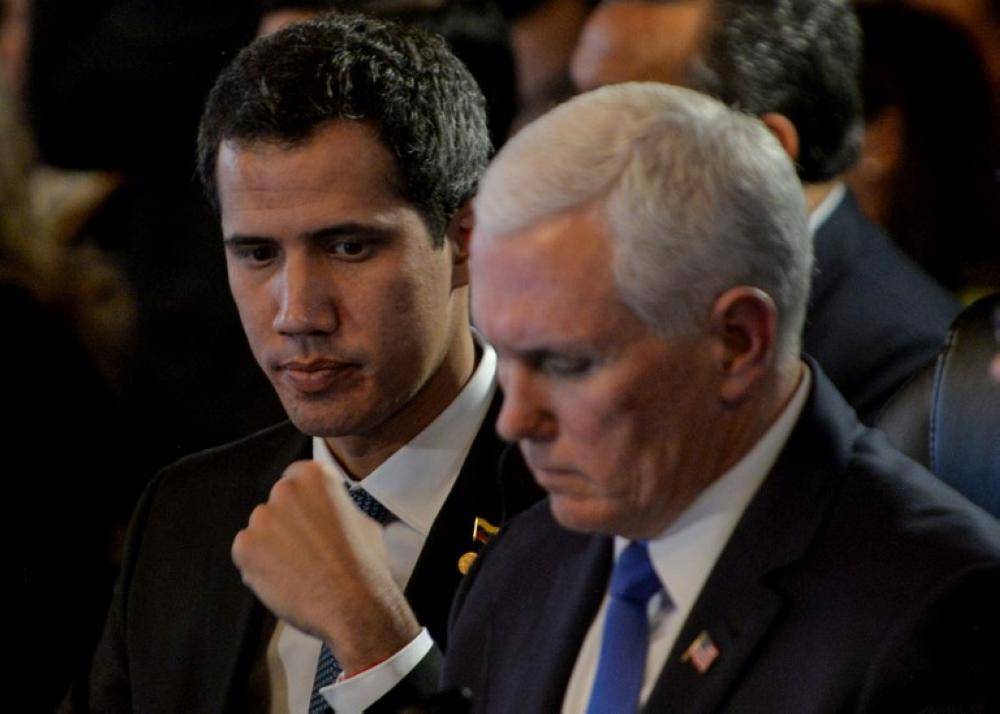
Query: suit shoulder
pixel 264 450
pixel 908 512
pixel 856 255
pixel 220 483
pixel 874 316
pixel 260 443
pixel 945 653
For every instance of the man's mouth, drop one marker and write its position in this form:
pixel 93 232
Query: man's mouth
pixel 311 376
pixel 552 477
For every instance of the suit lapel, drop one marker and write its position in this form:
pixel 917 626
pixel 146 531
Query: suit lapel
pixel 574 590
pixel 483 489
pixel 742 597
pixel 240 624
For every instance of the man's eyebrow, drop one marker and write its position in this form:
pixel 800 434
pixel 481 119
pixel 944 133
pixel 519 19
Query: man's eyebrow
pixel 537 355
pixel 350 229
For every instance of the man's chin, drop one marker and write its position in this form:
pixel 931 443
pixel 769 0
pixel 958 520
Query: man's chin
pixel 595 515
pixel 323 423
pixel 577 514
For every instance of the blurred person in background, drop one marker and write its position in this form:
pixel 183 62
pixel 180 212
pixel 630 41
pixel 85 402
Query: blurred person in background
pixel 925 172
pixel 544 34
pixel 980 20
pixel 65 463
pixel 117 88
pixel 474 30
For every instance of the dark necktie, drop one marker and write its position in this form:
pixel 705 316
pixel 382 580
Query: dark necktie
pixel 327 668
pixel 622 662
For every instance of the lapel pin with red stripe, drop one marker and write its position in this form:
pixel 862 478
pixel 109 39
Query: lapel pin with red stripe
pixel 482 532
pixel 701 653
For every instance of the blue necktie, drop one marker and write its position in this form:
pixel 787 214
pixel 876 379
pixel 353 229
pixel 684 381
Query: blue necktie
pixel 327 668
pixel 622 662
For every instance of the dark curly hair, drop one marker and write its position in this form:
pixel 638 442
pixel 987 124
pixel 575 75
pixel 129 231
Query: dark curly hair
pixel 425 105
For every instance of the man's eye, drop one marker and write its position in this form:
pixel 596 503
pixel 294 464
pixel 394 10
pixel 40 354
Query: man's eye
pixel 261 253
pixel 564 366
pixel 255 254
pixel 350 249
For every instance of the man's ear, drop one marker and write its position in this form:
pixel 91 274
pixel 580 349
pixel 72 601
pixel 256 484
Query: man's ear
pixel 786 133
pixel 744 321
pixel 458 234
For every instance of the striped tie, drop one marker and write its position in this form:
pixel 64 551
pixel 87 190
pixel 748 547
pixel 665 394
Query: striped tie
pixel 327 668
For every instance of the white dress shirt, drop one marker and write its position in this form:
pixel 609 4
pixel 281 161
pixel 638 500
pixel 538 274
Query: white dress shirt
pixel 413 484
pixel 826 207
pixel 684 555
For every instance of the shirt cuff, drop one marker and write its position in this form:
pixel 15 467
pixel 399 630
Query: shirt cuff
pixel 353 695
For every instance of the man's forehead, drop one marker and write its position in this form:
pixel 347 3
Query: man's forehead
pixel 549 278
pixel 570 244
pixel 338 153
pixel 641 40
pixel 348 135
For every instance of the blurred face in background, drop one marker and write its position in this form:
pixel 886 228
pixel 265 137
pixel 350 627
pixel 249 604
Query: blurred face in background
pixel 14 26
pixel 634 40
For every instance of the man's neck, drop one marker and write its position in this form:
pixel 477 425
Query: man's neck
pixel 360 454
pixel 816 193
pixel 746 429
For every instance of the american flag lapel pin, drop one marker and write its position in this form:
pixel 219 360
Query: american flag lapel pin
pixel 701 653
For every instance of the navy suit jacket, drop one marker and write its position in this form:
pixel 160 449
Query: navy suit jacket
pixel 185 635
pixel 854 581
pixel 874 316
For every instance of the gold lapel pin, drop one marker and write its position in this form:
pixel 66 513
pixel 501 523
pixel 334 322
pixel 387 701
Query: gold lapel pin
pixel 482 532
pixel 466 561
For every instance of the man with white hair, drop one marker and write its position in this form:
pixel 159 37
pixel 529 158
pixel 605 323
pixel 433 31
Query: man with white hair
pixel 721 532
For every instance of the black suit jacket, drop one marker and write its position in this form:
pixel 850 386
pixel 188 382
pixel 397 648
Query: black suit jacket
pixel 874 316
pixel 185 635
pixel 854 581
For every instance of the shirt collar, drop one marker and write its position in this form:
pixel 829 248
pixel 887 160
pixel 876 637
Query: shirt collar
pixel 826 207
pixel 686 552
pixel 414 482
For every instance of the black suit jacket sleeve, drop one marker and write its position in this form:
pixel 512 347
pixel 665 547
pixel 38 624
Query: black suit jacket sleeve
pixel 418 691
pixel 108 687
pixel 183 629
pixel 945 658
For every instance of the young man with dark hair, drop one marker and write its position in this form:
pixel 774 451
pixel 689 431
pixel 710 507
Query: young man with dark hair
pixel 341 155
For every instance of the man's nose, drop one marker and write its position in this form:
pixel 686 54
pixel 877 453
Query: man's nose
pixel 305 298
pixel 525 414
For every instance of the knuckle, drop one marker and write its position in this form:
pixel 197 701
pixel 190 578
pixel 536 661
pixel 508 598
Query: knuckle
pixel 238 551
pixel 283 490
pixel 259 517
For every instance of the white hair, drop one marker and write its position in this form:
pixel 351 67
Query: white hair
pixel 698 199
